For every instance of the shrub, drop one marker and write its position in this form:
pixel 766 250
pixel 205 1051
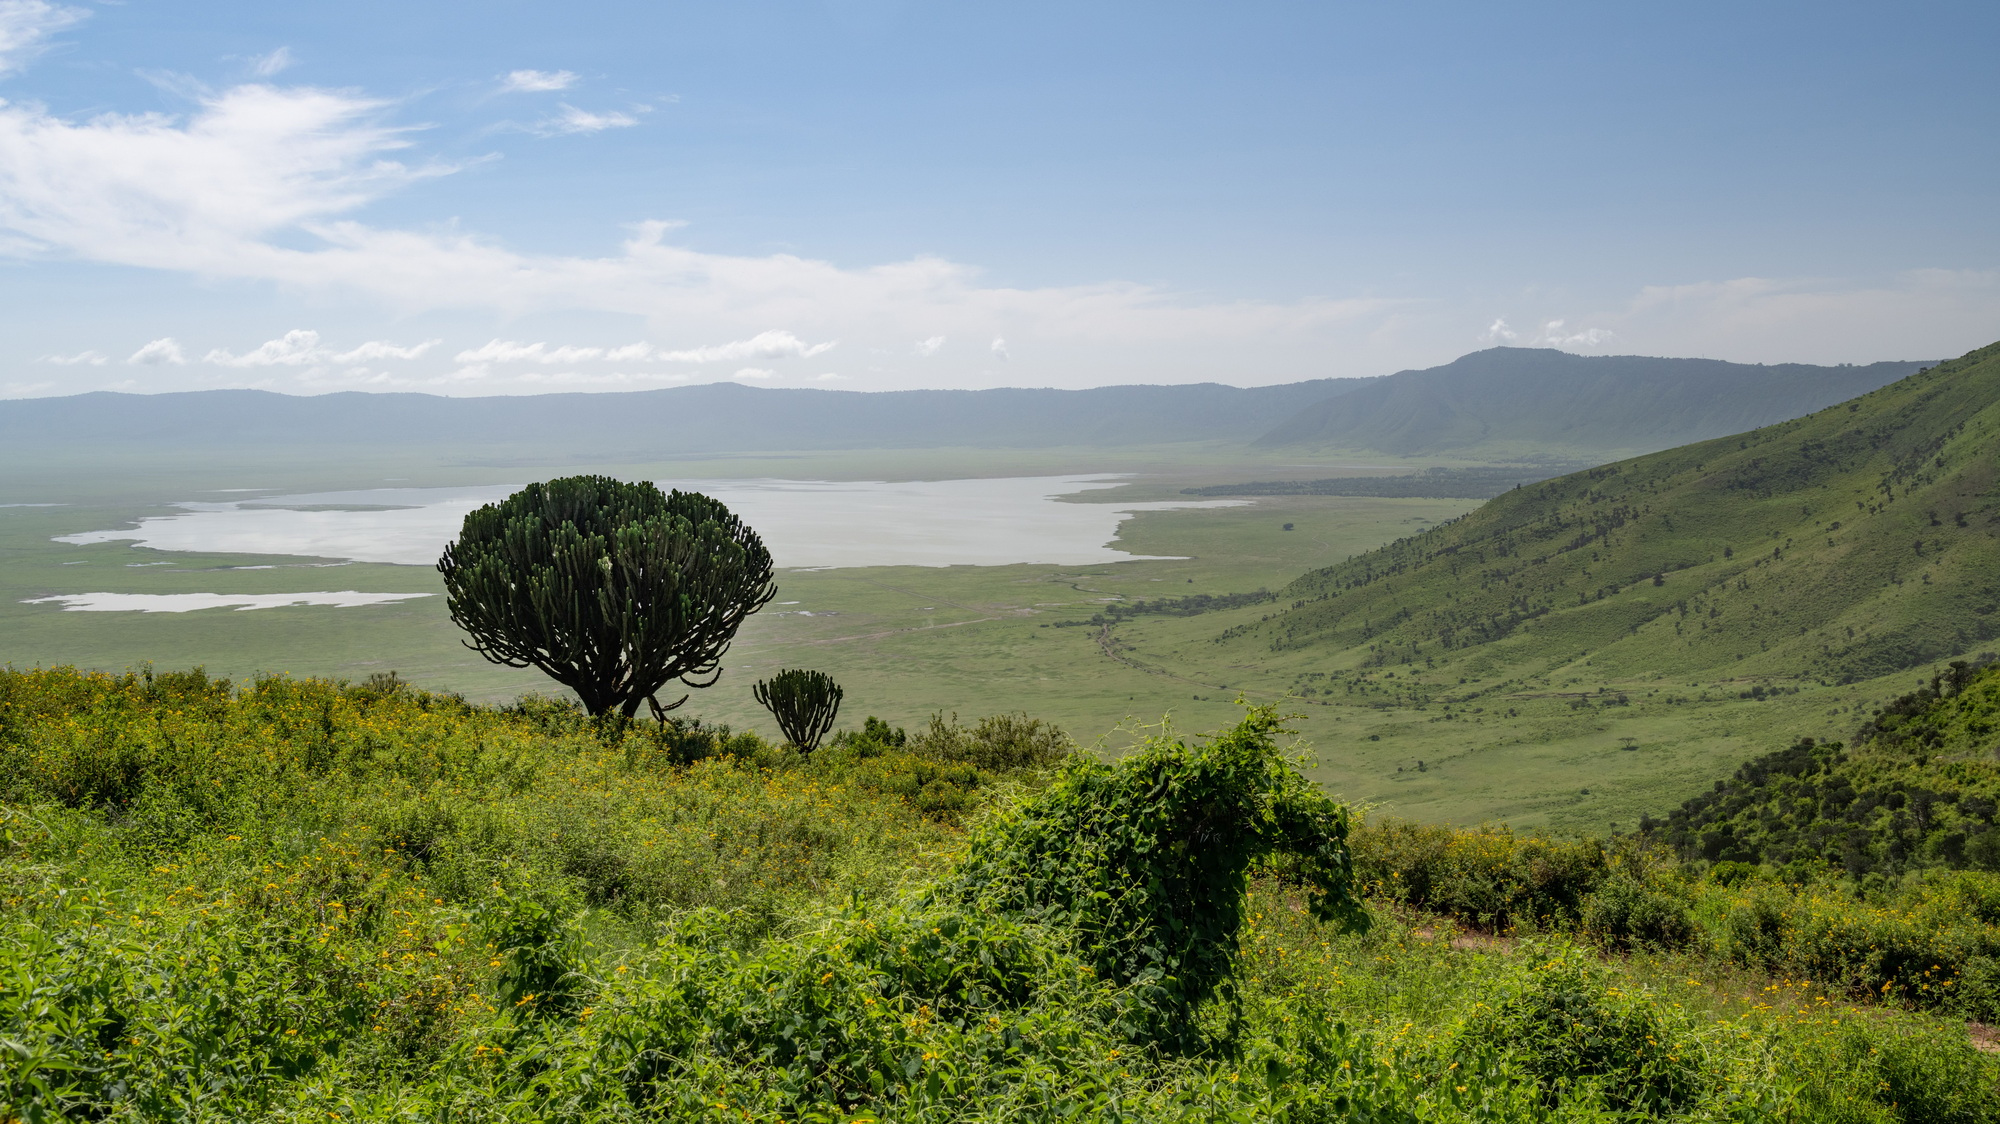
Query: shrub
pixel 1147 861
pixel 1489 877
pixel 1626 912
pixel 1580 1032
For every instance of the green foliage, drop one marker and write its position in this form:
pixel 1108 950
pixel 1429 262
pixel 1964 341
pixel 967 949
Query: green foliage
pixel 1931 943
pixel 1147 861
pixel 1491 878
pixel 1920 790
pixel 804 703
pixel 1578 1027
pixel 394 906
pixel 610 588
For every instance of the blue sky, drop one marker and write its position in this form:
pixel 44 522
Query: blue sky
pixel 513 198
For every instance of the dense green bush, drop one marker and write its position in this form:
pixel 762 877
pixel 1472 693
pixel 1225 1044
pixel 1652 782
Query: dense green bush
pixel 1491 878
pixel 1919 790
pixel 1147 861
pixel 1576 1026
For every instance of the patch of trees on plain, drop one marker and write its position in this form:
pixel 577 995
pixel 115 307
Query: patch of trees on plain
pixel 1432 484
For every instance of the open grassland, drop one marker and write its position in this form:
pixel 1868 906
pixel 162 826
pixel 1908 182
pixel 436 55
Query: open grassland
pixel 296 901
pixel 910 641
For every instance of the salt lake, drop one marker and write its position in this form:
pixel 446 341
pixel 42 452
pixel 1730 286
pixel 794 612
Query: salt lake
pixel 805 523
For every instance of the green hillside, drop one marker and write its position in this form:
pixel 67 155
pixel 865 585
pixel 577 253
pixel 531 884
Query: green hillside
pixel 1920 788
pixel 1852 543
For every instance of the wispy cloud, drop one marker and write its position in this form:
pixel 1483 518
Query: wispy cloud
pixel 1498 331
pixel 572 121
pixel 377 350
pixel 301 347
pixel 25 27
pixel 929 347
pixel 1556 334
pixel 206 195
pixel 161 352
pixel 1000 349
pixel 764 345
pixel 536 81
pixel 81 358
pixel 262 182
pixel 776 344
pixel 757 373
pixel 264 66
pixel 508 351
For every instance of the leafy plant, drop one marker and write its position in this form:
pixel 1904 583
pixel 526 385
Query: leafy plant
pixel 1146 861
pixel 611 588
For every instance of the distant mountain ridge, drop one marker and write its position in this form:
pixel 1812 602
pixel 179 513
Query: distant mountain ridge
pixel 714 418
pixel 1546 397
pixel 1496 397
pixel 1857 541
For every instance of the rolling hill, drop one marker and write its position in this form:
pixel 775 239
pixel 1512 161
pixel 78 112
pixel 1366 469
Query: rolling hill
pixel 1544 398
pixel 1855 542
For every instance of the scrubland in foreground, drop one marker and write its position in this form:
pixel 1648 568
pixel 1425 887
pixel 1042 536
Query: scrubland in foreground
pixel 299 899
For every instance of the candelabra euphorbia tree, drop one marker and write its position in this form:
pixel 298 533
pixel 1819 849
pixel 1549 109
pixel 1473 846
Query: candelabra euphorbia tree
pixel 805 704
pixel 613 589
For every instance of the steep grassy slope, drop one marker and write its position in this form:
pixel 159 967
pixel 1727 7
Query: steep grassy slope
pixel 1550 399
pixel 1848 544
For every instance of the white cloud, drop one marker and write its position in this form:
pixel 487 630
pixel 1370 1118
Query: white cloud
pixel 774 344
pixel 264 66
pixel 161 352
pixel 301 347
pixel 295 348
pixel 508 351
pixel 1554 334
pixel 929 347
pixel 1916 314
pixel 830 377
pixel 574 121
pixel 502 351
pixel 1499 330
pixel 1000 349
pixel 536 81
pixel 81 358
pixel 25 26
pixel 259 183
pixel 205 195
pixel 376 350
pixel 753 373
pixel 777 344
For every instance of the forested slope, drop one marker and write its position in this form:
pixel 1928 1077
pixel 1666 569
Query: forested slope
pixel 1851 543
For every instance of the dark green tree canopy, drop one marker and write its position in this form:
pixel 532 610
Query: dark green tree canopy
pixel 614 589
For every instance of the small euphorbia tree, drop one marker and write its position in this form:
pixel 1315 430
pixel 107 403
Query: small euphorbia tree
pixel 613 589
pixel 804 703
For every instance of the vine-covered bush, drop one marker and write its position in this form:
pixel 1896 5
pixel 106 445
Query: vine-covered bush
pixel 1146 862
